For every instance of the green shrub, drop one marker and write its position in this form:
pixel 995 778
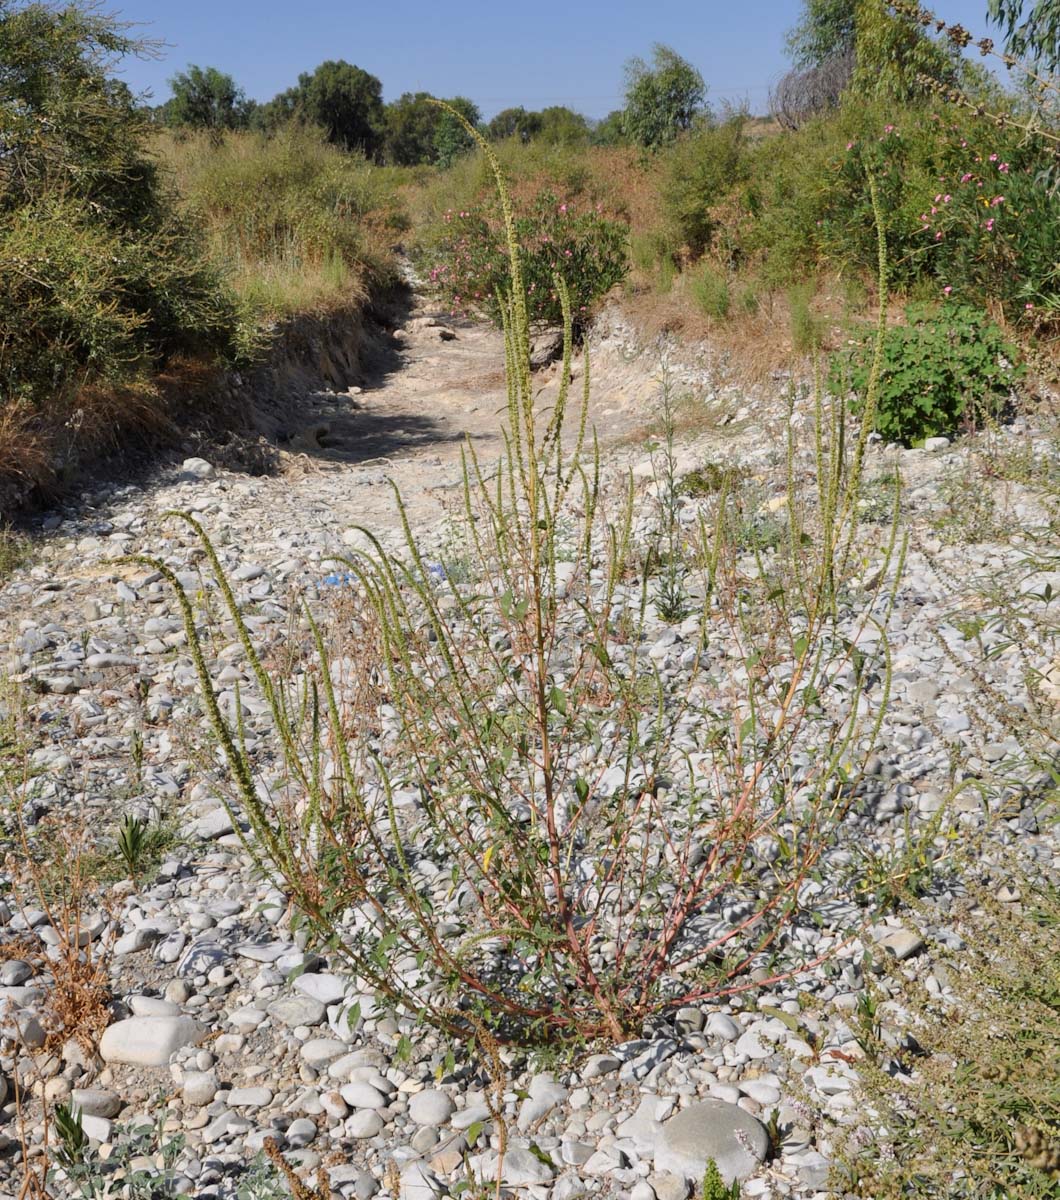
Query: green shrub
pixel 560 239
pixel 807 328
pixel 703 169
pixel 710 289
pixel 104 278
pixel 942 369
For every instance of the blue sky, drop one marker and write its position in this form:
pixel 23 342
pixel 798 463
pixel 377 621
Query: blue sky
pixel 498 53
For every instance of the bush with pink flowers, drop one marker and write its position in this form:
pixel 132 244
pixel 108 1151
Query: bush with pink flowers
pixel 967 210
pixel 561 239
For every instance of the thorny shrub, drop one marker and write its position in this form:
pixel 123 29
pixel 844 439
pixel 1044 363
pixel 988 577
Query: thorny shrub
pixel 498 807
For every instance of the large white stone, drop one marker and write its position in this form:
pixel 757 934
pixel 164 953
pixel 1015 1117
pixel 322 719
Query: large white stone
pixel 714 1130
pixel 148 1041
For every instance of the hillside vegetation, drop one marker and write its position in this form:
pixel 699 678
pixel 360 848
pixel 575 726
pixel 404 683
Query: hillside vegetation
pixel 137 240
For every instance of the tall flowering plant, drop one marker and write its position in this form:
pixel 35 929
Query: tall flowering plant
pixel 560 239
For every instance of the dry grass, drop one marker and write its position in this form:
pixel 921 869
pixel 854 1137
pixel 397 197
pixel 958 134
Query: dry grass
pixel 300 226
pixel 977 1113
pixel 51 869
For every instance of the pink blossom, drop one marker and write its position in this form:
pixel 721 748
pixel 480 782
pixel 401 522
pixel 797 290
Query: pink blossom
pixel 937 199
pixel 946 291
pixel 562 208
pixel 966 176
pixel 947 198
pixel 888 129
pixel 989 225
pixel 1003 168
pixel 938 236
pixel 993 158
pixel 1028 305
pixel 850 145
pixel 996 201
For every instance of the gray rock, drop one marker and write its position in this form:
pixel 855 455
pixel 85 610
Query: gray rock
pixel 296 1010
pixel 521 1168
pixel 197 468
pixel 711 1129
pixel 328 989
pixel 301 1133
pixel 669 1187
pixel 722 1027
pixel 902 943
pixel 14 971
pixel 148 1041
pixel 419 1182
pixel 152 1006
pixel 362 1095
pixel 95 1102
pixel 431 1107
pixel 249 1097
pixel 199 1088
pixel 366 1123
pixel 318 1052
pixel 98 1129
pixel 599 1065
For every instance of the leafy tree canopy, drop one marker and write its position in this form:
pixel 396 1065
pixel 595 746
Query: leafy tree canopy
pixel 610 130
pixel 891 51
pixel 344 100
pixel 826 29
pixel 451 139
pixel 662 99
pixel 1033 34
pixel 418 131
pixel 66 126
pixel 562 126
pixel 514 122
pixel 556 125
pixel 206 99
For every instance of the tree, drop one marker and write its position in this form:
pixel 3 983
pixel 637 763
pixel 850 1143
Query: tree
pixel 67 127
pixel 560 125
pixel 827 29
pixel 345 101
pixel 451 139
pixel 514 122
pixel 102 275
pixel 1035 36
pixel 206 99
pixel 663 99
pixel 418 131
pixel 410 126
pixel 888 52
pixel 610 130
pixel 556 125
pixel 894 55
